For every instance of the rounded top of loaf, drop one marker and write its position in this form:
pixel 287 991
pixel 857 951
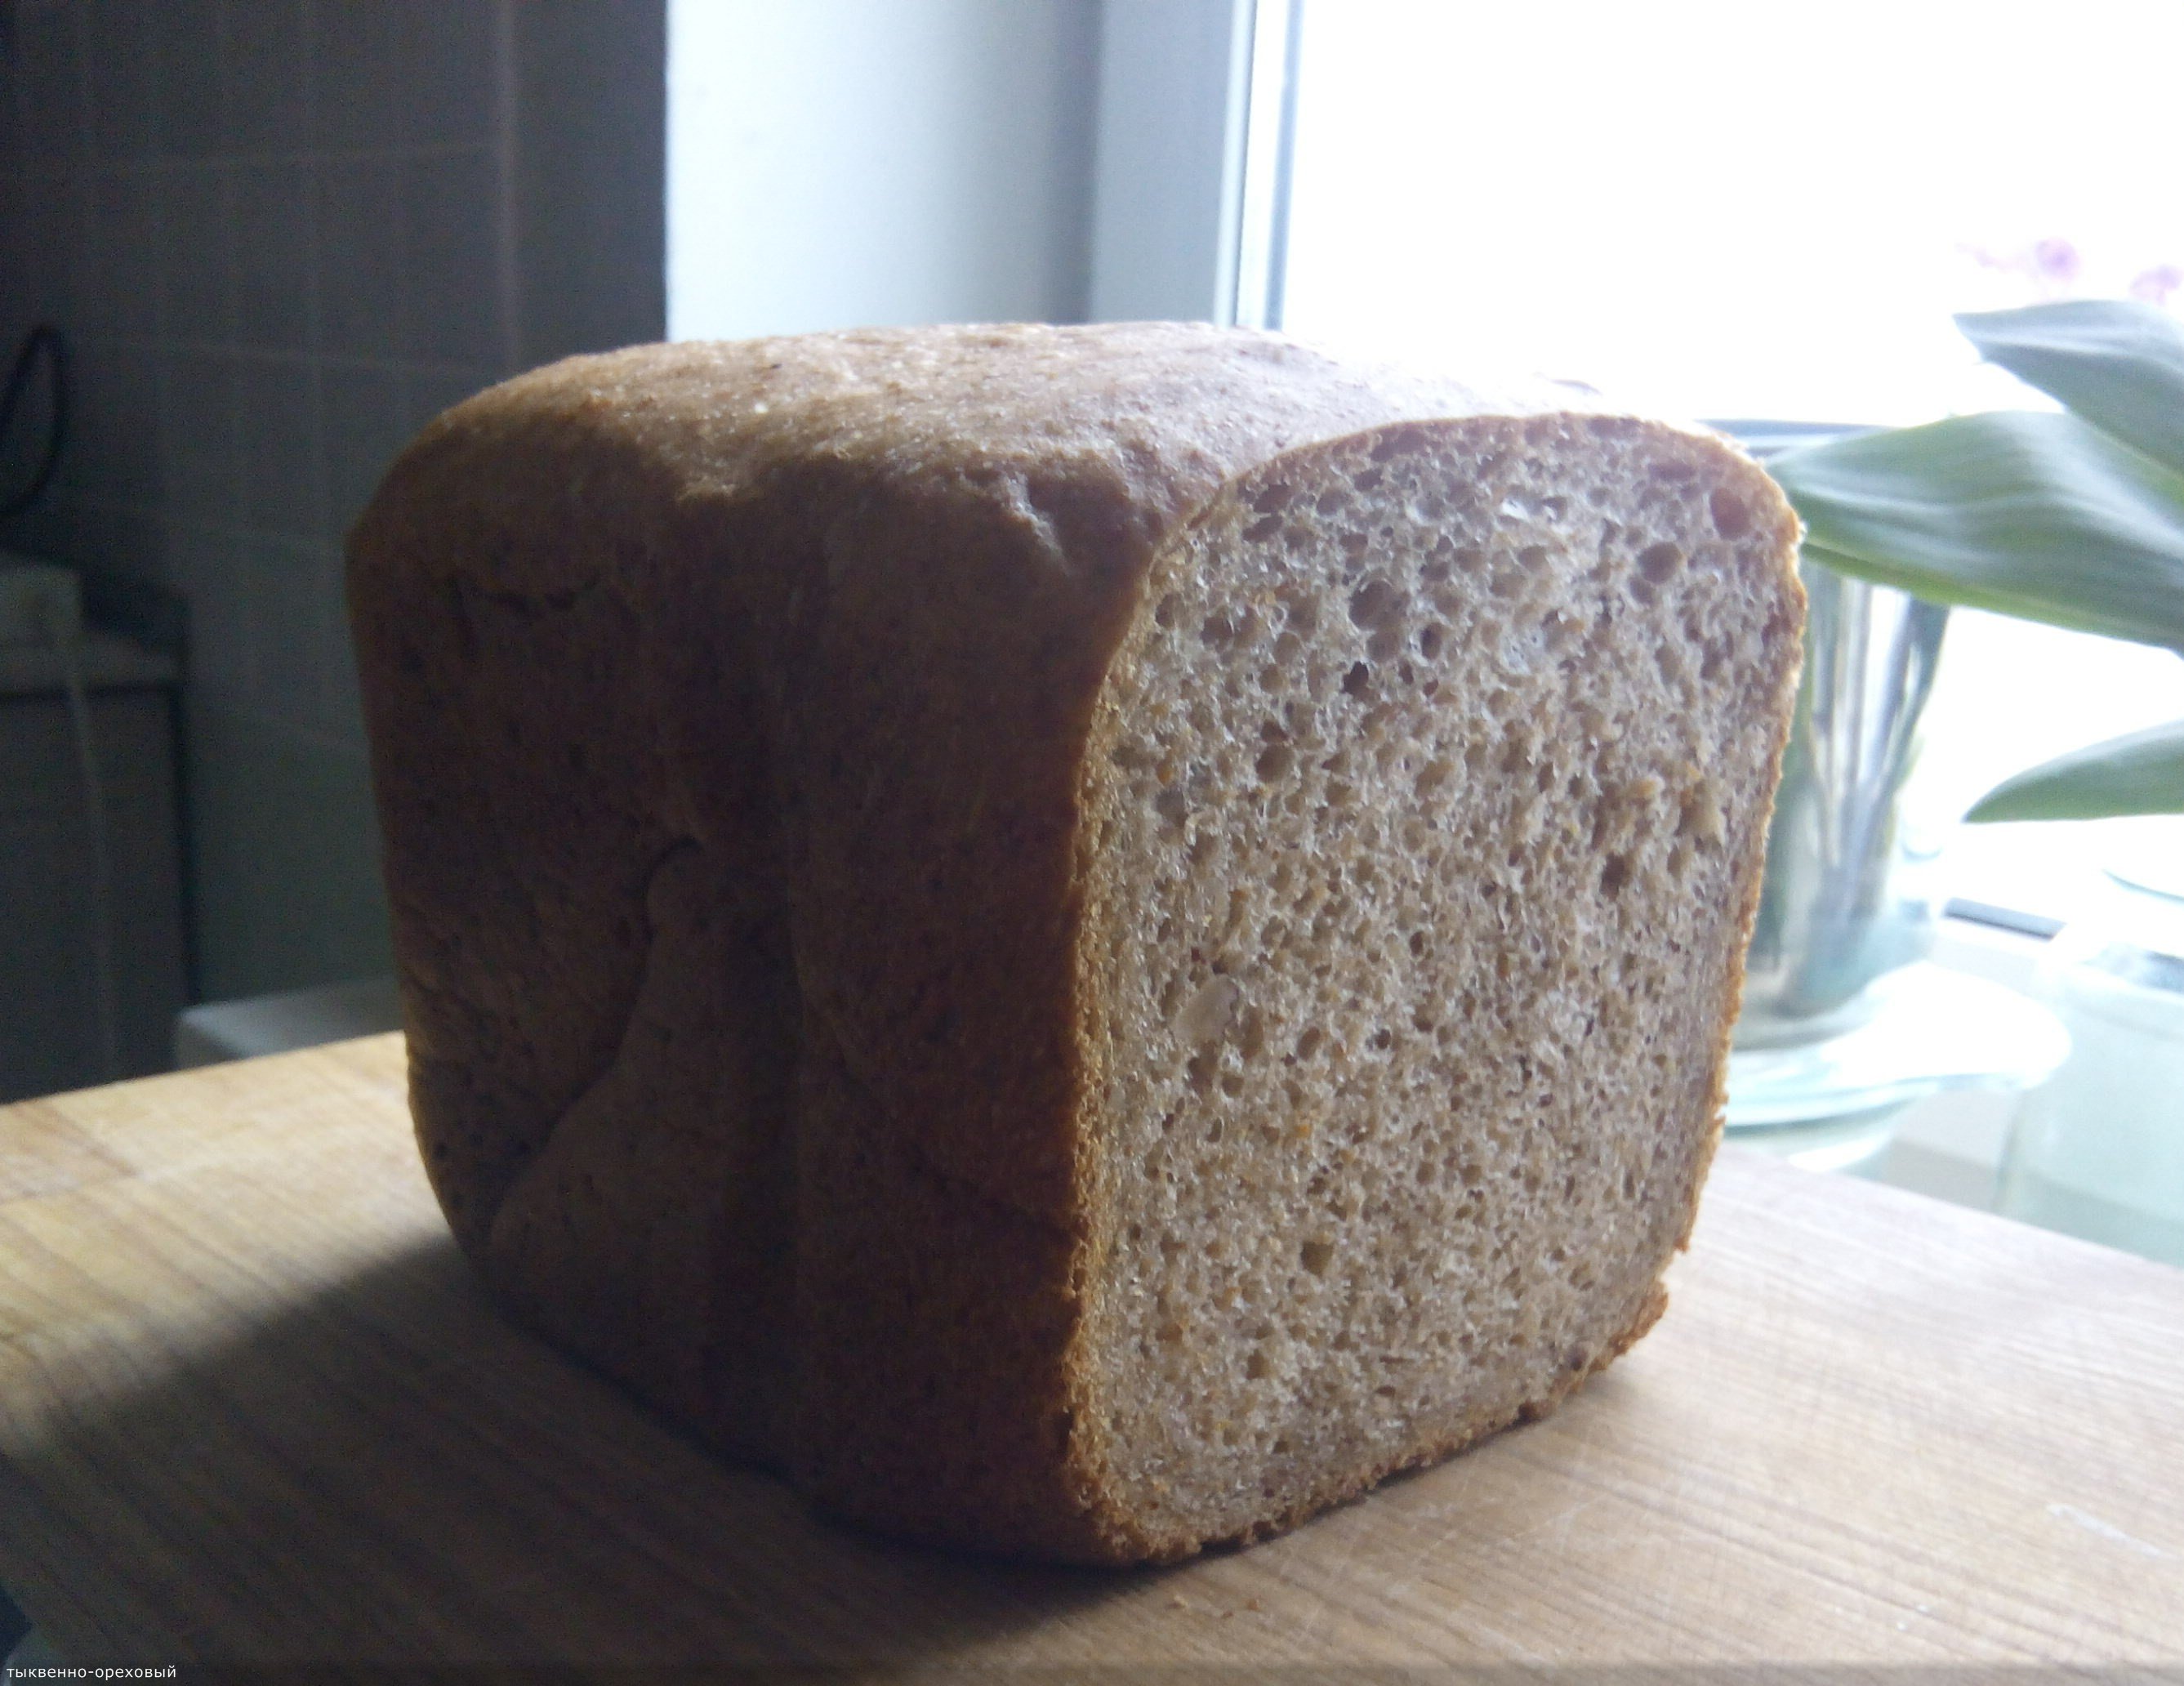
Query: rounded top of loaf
pixel 1131 425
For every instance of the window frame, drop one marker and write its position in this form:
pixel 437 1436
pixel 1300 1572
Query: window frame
pixel 1196 110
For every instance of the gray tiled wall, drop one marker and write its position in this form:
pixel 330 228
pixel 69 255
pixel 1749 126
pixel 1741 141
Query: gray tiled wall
pixel 282 235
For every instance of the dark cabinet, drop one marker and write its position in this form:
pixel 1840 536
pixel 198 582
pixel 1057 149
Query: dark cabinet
pixel 50 894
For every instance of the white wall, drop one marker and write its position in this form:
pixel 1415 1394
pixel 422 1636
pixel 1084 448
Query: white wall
pixel 835 163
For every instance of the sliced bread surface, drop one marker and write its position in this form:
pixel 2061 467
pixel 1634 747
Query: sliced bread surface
pixel 1083 940
pixel 1423 816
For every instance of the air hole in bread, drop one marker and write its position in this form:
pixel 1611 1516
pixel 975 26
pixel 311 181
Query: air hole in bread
pixel 1732 516
pixel 1657 563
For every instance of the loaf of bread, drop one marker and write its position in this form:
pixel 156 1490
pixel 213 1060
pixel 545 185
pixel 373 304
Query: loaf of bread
pixel 1084 940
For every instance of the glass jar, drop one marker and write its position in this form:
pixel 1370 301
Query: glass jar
pixel 2098 1151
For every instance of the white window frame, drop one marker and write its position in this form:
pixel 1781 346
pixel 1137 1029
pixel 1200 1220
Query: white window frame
pixel 1190 178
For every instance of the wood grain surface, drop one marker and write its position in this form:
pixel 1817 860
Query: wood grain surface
pixel 254 1410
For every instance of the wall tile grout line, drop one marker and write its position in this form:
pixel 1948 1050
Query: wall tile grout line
pixel 168 163
pixel 87 133
pixel 92 503
pixel 273 355
pixel 505 148
pixel 314 321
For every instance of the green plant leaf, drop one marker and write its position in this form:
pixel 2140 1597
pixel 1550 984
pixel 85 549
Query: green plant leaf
pixel 2117 365
pixel 2138 774
pixel 2037 515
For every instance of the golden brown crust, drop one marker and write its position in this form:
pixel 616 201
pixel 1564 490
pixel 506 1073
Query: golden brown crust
pixel 727 706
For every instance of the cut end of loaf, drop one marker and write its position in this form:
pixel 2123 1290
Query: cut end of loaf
pixel 1423 822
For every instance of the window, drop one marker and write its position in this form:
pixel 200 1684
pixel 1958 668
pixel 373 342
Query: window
pixel 1718 209
pixel 1723 208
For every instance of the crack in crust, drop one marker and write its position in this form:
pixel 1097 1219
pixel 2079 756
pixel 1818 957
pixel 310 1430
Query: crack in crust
pixel 623 1041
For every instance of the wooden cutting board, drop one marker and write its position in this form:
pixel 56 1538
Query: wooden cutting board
pixel 254 1410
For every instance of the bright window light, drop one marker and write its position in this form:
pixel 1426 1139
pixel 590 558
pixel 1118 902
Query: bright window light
pixel 1738 209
